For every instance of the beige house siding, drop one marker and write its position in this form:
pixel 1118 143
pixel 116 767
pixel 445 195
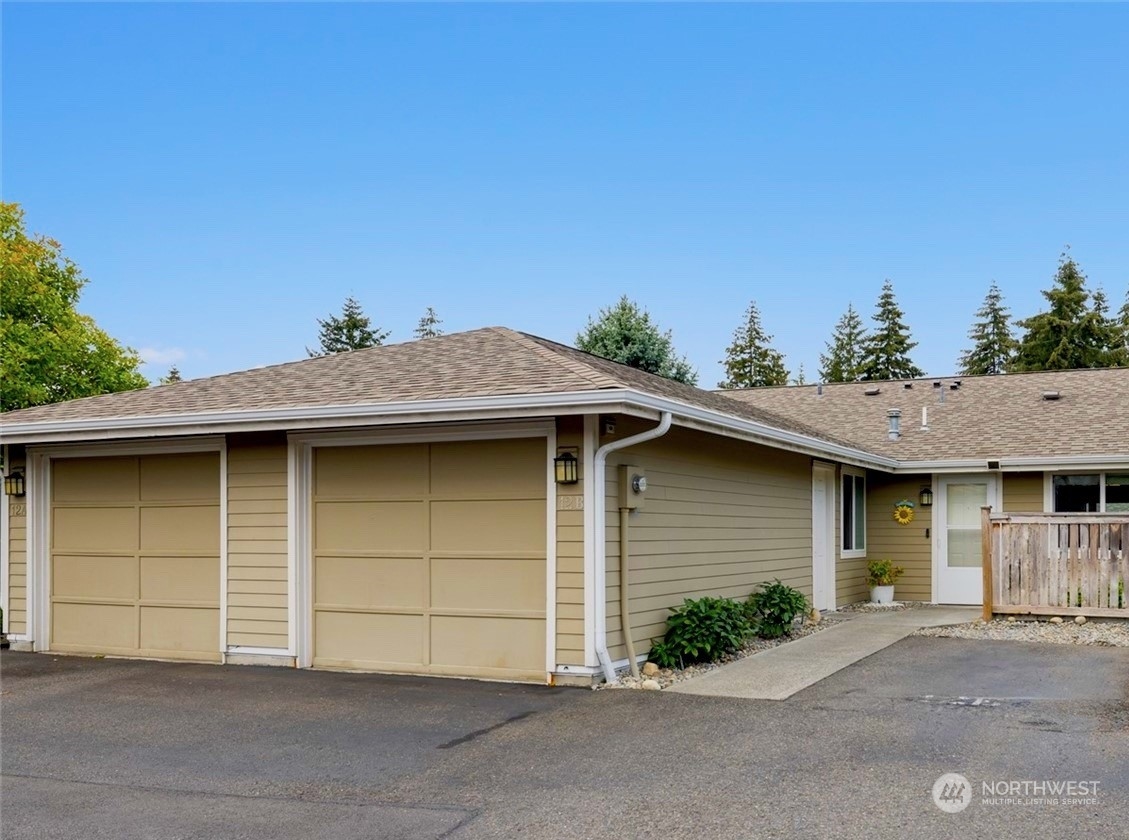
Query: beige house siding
pixel 257 595
pixel 909 546
pixel 850 573
pixel 720 517
pixel 1023 492
pixel 15 620
pixel 570 551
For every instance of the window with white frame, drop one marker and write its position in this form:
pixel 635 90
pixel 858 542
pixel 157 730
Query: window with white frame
pixel 1091 493
pixel 854 513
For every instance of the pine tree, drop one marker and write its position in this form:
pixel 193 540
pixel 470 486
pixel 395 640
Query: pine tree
pixel 750 361
pixel 172 376
pixel 1069 334
pixel 886 349
pixel 353 330
pixel 843 360
pixel 1123 324
pixel 993 344
pixel 625 333
pixel 801 377
pixel 428 326
pixel 1108 332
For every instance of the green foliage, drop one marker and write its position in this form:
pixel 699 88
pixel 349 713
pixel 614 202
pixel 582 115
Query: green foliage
pixel 883 573
pixel 843 360
pixel 625 333
pixel 428 326
pixel 993 344
pixel 701 630
pixel 1074 332
pixel 886 349
pixel 48 351
pixel 172 376
pixel 353 330
pixel 772 609
pixel 750 361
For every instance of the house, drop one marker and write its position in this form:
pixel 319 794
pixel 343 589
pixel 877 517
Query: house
pixel 459 505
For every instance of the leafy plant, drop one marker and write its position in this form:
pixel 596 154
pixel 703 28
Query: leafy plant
pixel 883 573
pixel 772 609
pixel 701 630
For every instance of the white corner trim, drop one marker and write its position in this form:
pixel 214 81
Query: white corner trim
pixel 223 549
pixel 592 496
pixel 299 601
pixel 550 554
pixel 5 540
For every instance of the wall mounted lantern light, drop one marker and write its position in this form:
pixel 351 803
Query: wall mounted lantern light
pixel 926 496
pixel 14 484
pixel 566 467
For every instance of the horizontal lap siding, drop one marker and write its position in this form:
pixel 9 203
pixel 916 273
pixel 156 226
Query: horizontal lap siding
pixel 1023 492
pixel 720 517
pixel 257 595
pixel 909 546
pixel 570 555
pixel 16 618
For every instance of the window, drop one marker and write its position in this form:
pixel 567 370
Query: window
pixel 854 513
pixel 1092 493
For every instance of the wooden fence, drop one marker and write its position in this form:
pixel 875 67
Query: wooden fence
pixel 1056 563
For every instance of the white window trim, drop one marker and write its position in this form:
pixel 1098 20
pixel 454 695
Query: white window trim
pixel 299 527
pixel 853 553
pixel 38 472
pixel 1049 487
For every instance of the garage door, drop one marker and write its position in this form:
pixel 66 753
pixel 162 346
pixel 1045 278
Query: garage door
pixel 135 556
pixel 430 558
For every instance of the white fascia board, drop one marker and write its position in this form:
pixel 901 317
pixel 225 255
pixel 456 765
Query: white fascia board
pixel 1024 464
pixel 620 401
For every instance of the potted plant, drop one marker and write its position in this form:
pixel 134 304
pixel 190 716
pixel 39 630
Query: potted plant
pixel 881 575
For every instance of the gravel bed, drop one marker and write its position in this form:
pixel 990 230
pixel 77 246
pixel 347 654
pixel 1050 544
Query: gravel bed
pixel 1104 633
pixel 893 606
pixel 669 676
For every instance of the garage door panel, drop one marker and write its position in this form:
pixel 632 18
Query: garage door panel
pixel 184 530
pixel 79 576
pixel 499 468
pixel 84 479
pixel 180 579
pixel 371 526
pixel 374 639
pixel 371 582
pixel 94 626
pixel 181 629
pixel 180 477
pixel 516 644
pixel 488 584
pixel 356 470
pixel 89 529
pixel 488 526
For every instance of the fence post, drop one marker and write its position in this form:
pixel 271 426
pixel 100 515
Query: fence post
pixel 986 558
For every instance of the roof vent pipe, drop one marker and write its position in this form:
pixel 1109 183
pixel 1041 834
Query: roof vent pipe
pixel 819 390
pixel 925 418
pixel 894 416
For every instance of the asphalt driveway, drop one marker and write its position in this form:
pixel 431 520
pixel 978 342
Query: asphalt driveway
pixel 116 749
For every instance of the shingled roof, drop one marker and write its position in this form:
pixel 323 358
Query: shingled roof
pixel 978 417
pixel 488 362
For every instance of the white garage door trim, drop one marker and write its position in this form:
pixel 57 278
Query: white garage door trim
pixel 39 508
pixel 300 490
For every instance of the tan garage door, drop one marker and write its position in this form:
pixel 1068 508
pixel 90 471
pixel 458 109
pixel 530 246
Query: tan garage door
pixel 135 556
pixel 430 558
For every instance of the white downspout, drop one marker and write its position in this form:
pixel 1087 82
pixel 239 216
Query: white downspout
pixel 600 527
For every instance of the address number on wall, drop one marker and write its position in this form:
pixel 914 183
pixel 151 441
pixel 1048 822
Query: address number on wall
pixel 570 503
pixel 18 510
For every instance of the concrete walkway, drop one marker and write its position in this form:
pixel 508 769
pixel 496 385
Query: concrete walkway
pixel 778 673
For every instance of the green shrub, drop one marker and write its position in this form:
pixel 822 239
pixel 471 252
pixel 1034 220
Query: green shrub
pixel 772 609
pixel 702 630
pixel 882 573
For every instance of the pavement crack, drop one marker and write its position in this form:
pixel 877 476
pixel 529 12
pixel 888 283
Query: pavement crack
pixel 478 733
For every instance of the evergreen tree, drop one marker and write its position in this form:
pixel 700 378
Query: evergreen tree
pixel 1123 324
pixel 172 376
pixel 886 349
pixel 353 330
pixel 1069 334
pixel 750 361
pixel 428 326
pixel 1108 332
pixel 801 378
pixel 843 360
pixel 625 333
pixel 993 344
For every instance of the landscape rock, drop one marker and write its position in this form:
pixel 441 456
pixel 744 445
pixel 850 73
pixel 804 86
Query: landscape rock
pixel 1079 619
pixel 814 617
pixel 650 685
pixel 650 669
pixel 1056 620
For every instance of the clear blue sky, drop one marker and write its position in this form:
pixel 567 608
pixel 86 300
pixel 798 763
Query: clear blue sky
pixel 226 173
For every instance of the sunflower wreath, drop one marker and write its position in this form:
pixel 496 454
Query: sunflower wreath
pixel 903 512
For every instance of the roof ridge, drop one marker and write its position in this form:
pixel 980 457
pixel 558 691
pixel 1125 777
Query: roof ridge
pixel 596 377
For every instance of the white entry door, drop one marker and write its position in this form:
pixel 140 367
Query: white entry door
pixel 956 544
pixel 823 536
